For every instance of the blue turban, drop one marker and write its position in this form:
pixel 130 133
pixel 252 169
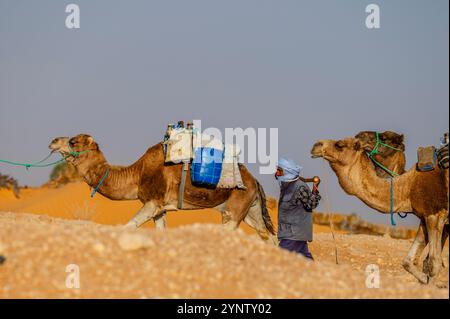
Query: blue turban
pixel 290 168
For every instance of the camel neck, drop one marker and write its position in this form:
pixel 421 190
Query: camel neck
pixel 121 183
pixel 360 179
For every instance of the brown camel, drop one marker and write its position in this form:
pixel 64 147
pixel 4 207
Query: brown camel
pixel 422 193
pixel 155 184
pixel 395 161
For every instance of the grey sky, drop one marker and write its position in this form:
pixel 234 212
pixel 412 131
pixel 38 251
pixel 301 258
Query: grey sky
pixel 310 68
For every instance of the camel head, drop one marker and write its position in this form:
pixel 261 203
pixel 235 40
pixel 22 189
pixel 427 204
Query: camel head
pixel 342 152
pixel 60 145
pixel 368 140
pixel 83 142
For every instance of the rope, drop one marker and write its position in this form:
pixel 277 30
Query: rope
pixel 330 214
pixel 379 142
pixel 393 174
pixel 95 190
pixel 375 151
pixel 40 163
pixel 46 158
pixel 29 165
pixel 392 203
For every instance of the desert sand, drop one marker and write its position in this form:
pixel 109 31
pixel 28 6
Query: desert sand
pixel 73 201
pixel 48 229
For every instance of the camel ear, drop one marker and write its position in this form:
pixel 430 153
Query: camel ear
pixel 90 140
pixel 357 145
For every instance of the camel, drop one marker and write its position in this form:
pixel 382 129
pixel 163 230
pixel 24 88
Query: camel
pixel 155 184
pixel 421 193
pixel 394 160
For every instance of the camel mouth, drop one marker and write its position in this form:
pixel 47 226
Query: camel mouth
pixel 53 148
pixel 317 150
pixel 58 144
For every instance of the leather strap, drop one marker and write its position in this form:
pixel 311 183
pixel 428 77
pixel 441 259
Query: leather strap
pixel 182 184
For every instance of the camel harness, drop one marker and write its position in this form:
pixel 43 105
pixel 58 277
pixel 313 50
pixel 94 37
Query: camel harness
pixel 393 174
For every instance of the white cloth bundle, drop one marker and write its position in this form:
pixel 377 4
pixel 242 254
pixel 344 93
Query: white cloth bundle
pixel 179 146
pixel 231 176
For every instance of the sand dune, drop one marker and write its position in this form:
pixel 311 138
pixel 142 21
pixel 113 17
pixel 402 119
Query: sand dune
pixel 73 201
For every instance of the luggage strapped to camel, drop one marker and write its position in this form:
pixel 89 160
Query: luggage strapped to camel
pixel 442 153
pixel 213 165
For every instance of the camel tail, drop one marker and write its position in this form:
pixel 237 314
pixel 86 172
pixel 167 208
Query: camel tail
pixel 264 210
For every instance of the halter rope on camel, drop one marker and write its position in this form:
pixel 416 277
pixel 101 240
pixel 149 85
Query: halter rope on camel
pixel 393 174
pixel 35 164
pixel 95 190
pixel 41 162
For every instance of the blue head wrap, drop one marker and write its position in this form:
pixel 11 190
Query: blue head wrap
pixel 290 168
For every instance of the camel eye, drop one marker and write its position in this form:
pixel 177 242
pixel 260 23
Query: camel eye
pixel 339 145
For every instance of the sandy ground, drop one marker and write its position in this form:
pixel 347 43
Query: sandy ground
pixel 194 259
pixel 73 201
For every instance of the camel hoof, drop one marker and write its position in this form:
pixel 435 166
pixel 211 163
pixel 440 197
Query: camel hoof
pixel 438 283
pixel 420 276
pixel 423 279
pixel 442 285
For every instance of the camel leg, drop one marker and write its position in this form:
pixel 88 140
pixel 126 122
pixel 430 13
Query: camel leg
pixel 147 212
pixel 160 221
pixel 435 226
pixel 410 262
pixel 443 240
pixel 255 220
pixel 228 222
pixel 237 207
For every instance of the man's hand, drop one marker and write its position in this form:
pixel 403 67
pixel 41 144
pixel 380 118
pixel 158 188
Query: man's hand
pixel 316 182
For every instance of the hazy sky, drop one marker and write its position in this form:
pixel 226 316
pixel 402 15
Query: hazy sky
pixel 310 68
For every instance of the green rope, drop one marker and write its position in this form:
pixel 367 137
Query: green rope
pixel 393 174
pixel 379 142
pixel 40 163
pixel 375 151
pixel 29 165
